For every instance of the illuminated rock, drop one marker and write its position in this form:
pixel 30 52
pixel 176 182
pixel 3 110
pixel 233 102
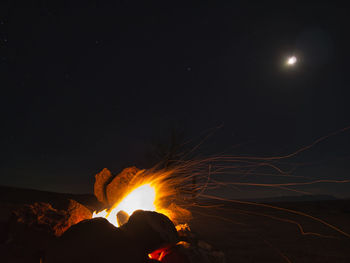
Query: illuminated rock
pixel 122 217
pixel 101 181
pixel 120 185
pixel 42 217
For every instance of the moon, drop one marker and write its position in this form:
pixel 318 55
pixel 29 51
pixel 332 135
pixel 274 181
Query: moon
pixel 292 60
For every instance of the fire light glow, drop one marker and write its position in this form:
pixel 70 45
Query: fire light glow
pixel 143 197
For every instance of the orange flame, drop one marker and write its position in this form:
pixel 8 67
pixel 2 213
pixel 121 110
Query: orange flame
pixel 152 190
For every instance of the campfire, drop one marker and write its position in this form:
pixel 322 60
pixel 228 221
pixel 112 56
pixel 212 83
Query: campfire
pixel 151 198
pixel 141 216
pixel 141 192
pixel 134 189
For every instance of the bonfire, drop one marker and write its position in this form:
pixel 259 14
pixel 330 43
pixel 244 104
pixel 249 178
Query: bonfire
pixel 144 213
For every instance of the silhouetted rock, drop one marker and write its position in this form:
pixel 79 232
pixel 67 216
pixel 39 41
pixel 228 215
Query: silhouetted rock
pixel 96 240
pixel 192 249
pixel 150 230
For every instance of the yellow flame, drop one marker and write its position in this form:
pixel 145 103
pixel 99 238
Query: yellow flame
pixel 143 197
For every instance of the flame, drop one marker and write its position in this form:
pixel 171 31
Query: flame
pixel 143 197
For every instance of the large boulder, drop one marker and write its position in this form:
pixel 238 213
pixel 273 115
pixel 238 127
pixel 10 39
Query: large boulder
pixel 96 240
pixel 150 230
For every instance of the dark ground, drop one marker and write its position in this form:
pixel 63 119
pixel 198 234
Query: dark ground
pixel 264 238
pixel 245 233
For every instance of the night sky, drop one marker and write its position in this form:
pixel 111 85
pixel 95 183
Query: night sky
pixel 88 85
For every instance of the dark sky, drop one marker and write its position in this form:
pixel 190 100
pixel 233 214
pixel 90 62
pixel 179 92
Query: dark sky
pixel 88 85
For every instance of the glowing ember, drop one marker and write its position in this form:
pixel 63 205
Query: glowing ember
pixel 143 197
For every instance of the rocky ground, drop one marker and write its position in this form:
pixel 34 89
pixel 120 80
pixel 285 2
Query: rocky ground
pixel 245 233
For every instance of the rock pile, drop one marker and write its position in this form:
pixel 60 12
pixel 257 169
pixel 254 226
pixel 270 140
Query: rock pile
pixel 43 217
pixel 32 227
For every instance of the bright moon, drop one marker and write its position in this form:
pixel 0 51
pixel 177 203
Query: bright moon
pixel 291 60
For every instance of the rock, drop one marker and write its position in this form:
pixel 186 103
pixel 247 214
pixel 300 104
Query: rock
pixel 101 181
pixel 192 253
pixel 122 217
pixel 217 257
pixel 75 213
pixel 109 189
pixel 120 185
pixel 204 245
pixel 185 232
pixel 33 226
pixel 200 252
pixel 42 217
pixel 178 214
pixel 150 230
pixel 96 240
pixel 184 244
pixel 196 250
